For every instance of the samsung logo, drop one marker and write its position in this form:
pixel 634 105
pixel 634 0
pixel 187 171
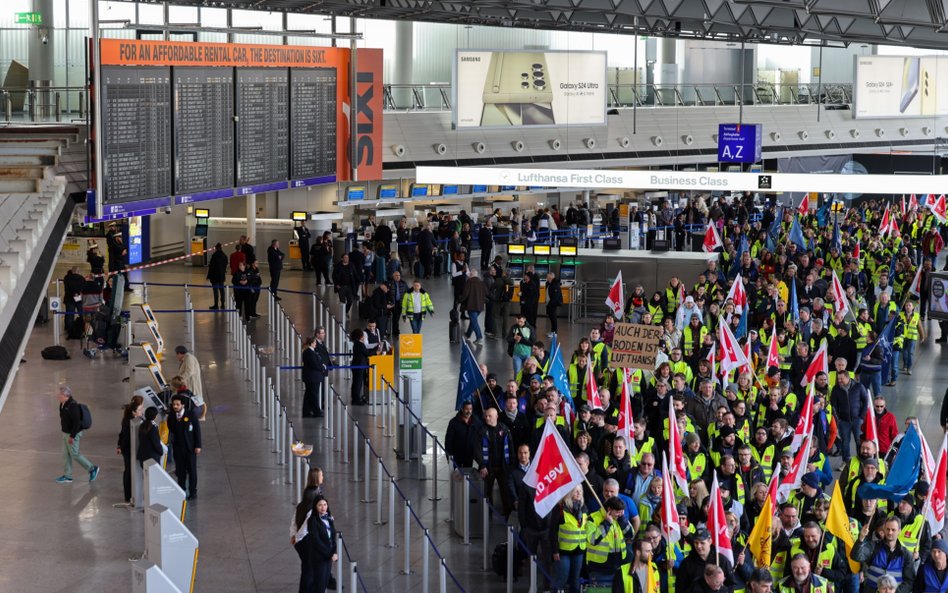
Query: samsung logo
pixel 471 59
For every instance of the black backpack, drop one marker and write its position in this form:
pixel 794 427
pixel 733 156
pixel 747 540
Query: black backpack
pixel 55 353
pixel 85 417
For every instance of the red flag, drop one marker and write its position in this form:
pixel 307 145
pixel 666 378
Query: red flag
pixel 928 461
pixel 615 300
pixel 773 353
pixel 938 209
pixel 671 522
pixel 772 490
pixel 626 428
pixel 819 363
pixel 884 225
pixel 747 354
pixel 553 471
pixel 804 207
pixel 711 239
pixel 913 202
pixel 856 251
pixel 675 451
pixel 592 390
pixel 839 295
pixel 805 425
pixel 869 426
pixel 915 287
pixel 732 356
pixel 934 508
pixel 737 294
pixel 894 228
pixel 717 523
pixel 794 477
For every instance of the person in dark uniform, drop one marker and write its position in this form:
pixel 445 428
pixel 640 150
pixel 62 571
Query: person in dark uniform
pixel 97 264
pixel 316 363
pixel 360 358
pixel 241 282
pixel 253 295
pixel 133 409
pixel 303 235
pixel 347 279
pixel 554 299
pixel 117 251
pixel 275 261
pixel 72 298
pixel 247 249
pixel 485 238
pixel 530 297
pixel 149 443
pixel 319 545
pixel 185 444
pixel 217 275
pixel 426 249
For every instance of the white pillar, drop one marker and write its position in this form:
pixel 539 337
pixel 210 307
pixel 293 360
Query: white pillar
pixel 251 202
pixel 404 52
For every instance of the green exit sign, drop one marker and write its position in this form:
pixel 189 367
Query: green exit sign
pixel 29 18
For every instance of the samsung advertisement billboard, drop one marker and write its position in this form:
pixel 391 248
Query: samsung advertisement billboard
pixel 504 89
pixel 900 86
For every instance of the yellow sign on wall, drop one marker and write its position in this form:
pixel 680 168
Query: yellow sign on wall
pixel 409 345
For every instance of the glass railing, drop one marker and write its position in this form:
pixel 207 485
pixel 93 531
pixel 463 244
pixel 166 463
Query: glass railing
pixel 437 96
pixel 44 104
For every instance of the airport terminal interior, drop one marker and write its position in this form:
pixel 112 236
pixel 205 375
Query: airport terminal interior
pixel 730 213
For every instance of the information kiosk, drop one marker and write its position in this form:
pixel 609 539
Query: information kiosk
pixel 199 240
pixel 170 545
pixel 162 489
pixel 296 256
pixel 148 578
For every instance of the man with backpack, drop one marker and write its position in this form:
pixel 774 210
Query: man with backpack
pixel 73 419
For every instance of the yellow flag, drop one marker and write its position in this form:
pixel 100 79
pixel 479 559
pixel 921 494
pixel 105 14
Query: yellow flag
pixel 651 583
pixel 837 523
pixel 759 540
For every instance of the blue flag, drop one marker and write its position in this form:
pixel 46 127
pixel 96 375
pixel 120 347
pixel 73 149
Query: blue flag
pixel 903 473
pixel 837 240
pixel 823 212
pixel 470 379
pixel 794 303
pixel 742 246
pixel 886 338
pixel 796 234
pixel 895 256
pixel 557 371
pixel 774 231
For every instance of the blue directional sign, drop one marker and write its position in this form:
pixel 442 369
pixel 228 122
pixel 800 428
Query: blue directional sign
pixel 739 143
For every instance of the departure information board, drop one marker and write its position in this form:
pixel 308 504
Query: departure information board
pixel 203 129
pixel 136 132
pixel 262 126
pixel 313 122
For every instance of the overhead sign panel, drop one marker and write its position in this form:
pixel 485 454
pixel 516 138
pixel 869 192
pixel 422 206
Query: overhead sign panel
pixel 529 89
pixel 203 138
pixel 739 143
pixel 900 86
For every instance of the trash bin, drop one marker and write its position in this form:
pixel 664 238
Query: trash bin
pixel 473 500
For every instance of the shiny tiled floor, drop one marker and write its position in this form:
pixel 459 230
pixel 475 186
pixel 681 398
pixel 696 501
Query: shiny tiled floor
pixel 69 538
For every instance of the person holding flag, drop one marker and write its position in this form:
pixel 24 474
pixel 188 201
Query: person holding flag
pixel 571 522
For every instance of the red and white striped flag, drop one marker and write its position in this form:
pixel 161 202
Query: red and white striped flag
pixel 773 352
pixel 671 522
pixel 592 389
pixel 712 240
pixel 747 368
pixel 675 452
pixel 553 471
pixel 839 295
pixel 626 428
pixel 616 301
pixel 938 208
pixel 794 477
pixel 934 508
pixel 819 363
pixel 869 426
pixel 737 294
pixel 804 207
pixel 805 424
pixel 913 202
pixel 717 523
pixel 916 287
pixel 884 225
pixel 732 355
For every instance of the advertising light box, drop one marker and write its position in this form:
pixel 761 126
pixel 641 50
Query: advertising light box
pixel 498 89
pixel 900 86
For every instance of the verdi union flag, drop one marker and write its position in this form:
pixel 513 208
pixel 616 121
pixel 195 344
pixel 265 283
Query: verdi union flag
pixel 553 473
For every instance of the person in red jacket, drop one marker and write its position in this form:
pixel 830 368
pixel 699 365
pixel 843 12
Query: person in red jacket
pixel 886 425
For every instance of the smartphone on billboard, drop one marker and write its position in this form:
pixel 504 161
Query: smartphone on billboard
pixel 909 83
pixel 517 90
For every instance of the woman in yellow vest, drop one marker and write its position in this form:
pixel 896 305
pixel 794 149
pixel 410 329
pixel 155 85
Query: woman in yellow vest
pixel 650 503
pixel 913 332
pixel 572 525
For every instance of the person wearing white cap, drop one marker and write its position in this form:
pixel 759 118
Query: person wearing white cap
pixel 686 311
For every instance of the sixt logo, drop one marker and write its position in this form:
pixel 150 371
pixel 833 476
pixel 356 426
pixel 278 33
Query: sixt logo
pixel 470 58
pixel 365 118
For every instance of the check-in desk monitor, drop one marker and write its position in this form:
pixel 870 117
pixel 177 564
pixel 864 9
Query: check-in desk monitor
pixel 159 341
pixel 150 354
pixel 158 377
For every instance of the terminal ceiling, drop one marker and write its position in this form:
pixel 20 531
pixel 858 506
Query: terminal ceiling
pixel 915 23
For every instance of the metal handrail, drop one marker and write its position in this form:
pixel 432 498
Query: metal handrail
pixel 416 98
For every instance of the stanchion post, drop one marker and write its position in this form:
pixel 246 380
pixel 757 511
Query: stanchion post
pixel 290 433
pixel 406 430
pixel 353 577
pixel 315 309
pixel 391 512
pixel 372 400
pixel 510 558
pixel 378 492
pixel 406 532
pixel 265 407
pixel 466 509
pixel 533 573
pixel 339 551
pixel 485 526
pixel 345 435
pixel 279 382
pixel 451 486
pixel 355 451
pixel 281 423
pixel 425 568
pixel 56 322
pixel 434 470
pixel 145 292
pixel 192 329
pixel 443 577
pixel 368 474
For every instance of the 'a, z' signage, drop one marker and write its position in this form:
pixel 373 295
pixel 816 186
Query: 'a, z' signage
pixel 739 143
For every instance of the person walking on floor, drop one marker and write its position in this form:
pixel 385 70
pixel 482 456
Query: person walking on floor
pixel 415 305
pixel 554 296
pixel 316 363
pixel 189 369
pixel 71 423
pixel 275 261
pixel 185 445
pixel 217 276
pixel 473 298
pixel 315 542
pixel 133 409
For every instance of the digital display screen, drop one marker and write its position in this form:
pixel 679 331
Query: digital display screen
pixel 508 188
pixel 516 271
pixel 152 358
pixel 146 309
pixel 200 230
pixel 388 191
pixel 158 377
pixel 298 215
pixel 263 111
pixel 541 250
pixel 134 240
pixel 419 191
pixel 449 190
pixel 567 273
pixel 356 192
pixel 478 189
pixel 202 213
pixel 568 250
pixel 516 249
pixel 203 138
pixel 541 271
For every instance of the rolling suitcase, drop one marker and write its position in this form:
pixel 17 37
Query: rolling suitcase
pixel 439 264
pixel 454 328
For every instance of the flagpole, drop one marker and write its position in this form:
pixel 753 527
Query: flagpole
pixel 593 490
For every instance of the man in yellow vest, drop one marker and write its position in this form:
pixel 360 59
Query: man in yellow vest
pixel 801 576
pixel 606 550
pixel 915 535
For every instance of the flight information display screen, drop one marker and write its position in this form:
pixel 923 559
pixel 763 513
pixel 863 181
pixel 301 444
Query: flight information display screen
pixel 203 129
pixel 312 122
pixel 136 133
pixel 263 122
